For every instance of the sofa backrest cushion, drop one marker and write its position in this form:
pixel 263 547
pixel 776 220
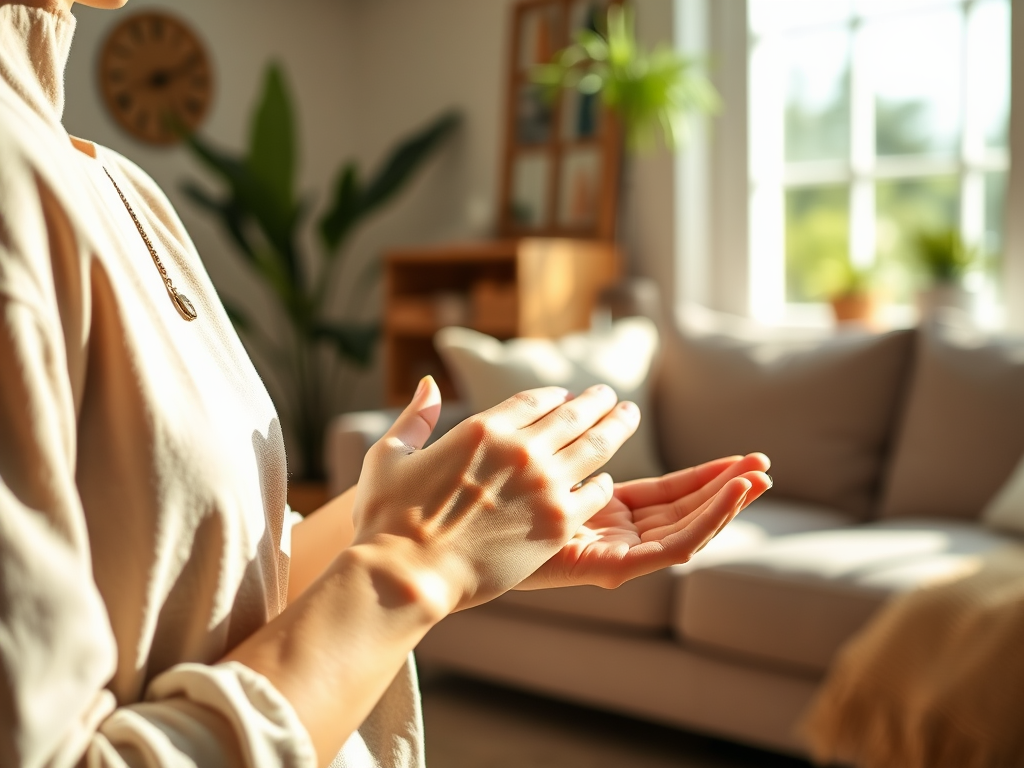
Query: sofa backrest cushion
pixel 962 431
pixel 819 405
pixel 487 371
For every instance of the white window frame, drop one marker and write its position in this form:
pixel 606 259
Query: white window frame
pixel 722 267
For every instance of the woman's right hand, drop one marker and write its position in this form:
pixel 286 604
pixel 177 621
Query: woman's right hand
pixel 479 510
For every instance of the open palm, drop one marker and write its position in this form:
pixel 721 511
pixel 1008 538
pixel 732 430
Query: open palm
pixel 653 523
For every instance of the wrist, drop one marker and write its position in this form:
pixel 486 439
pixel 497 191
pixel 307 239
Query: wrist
pixel 394 571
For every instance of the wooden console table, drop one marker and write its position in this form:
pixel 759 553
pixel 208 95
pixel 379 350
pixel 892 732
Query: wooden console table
pixel 536 286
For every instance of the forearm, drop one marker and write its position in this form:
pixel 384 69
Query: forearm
pixel 318 539
pixel 334 651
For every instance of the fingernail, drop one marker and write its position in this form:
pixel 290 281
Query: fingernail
pixel 630 409
pixel 771 481
pixel 420 388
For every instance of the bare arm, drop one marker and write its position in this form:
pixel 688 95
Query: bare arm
pixel 437 529
pixel 318 539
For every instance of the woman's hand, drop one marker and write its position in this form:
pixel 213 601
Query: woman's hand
pixel 478 511
pixel 653 523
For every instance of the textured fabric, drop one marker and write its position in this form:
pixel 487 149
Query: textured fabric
pixel 795 600
pixel 820 407
pixel 936 681
pixel 1006 509
pixel 143 525
pixel 962 431
pixel 487 371
pixel 646 604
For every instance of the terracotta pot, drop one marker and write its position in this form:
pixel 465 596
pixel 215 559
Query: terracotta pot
pixel 305 496
pixel 854 308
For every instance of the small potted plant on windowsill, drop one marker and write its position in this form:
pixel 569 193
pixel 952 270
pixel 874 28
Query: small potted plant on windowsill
pixel 853 299
pixel 945 259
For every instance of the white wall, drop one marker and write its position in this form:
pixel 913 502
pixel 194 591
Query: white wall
pixel 364 74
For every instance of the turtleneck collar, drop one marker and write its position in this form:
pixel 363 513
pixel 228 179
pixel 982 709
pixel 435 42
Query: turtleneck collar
pixel 34 49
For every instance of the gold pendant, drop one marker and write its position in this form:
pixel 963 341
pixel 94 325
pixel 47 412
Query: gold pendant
pixel 183 305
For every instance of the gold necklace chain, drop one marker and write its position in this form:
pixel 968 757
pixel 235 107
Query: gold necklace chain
pixel 179 299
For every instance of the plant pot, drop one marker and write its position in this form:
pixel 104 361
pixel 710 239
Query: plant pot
pixel 942 296
pixel 305 496
pixel 854 308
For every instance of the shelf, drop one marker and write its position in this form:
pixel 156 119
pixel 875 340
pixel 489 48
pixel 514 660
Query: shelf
pixel 543 287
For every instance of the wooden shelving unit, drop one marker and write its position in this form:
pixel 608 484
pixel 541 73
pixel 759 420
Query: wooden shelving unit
pixel 538 286
pixel 562 151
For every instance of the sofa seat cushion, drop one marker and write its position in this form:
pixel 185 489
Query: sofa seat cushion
pixel 645 604
pixel 795 599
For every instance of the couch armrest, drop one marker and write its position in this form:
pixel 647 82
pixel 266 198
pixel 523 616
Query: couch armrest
pixel 350 435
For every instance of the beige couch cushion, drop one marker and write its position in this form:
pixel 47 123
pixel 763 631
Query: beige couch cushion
pixel 963 428
pixel 1006 509
pixel 793 601
pixel 487 371
pixel 819 406
pixel 645 604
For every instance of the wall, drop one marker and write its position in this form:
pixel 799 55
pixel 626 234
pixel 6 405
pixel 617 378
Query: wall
pixel 416 57
pixel 365 73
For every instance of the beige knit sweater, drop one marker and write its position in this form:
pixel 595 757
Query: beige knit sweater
pixel 143 524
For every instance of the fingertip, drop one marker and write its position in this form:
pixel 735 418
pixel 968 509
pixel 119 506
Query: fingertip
pixel 429 392
pixel 760 458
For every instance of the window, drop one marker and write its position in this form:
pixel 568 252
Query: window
pixel 869 122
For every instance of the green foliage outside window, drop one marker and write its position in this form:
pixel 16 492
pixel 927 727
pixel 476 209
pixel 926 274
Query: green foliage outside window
pixel 817 218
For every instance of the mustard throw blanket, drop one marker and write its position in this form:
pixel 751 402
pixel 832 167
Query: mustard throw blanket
pixel 935 681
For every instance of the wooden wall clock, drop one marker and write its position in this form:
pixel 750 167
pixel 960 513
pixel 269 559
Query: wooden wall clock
pixel 155 77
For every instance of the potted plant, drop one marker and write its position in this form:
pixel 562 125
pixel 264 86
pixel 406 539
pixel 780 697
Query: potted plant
pixel 651 91
pixel 852 296
pixel 264 216
pixel 945 259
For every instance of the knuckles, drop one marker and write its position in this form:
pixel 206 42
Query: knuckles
pixel 525 401
pixel 599 444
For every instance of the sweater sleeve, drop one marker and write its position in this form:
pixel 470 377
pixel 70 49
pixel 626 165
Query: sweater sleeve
pixel 57 649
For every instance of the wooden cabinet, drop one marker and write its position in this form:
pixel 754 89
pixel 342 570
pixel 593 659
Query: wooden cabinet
pixel 541 287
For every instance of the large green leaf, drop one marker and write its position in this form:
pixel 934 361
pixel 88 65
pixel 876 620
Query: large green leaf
pixel 343 212
pixel 406 159
pixel 272 152
pixel 250 197
pixel 231 217
pixel 353 201
pixel 353 341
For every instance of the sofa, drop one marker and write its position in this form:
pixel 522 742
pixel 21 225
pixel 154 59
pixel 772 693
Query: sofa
pixel 887 449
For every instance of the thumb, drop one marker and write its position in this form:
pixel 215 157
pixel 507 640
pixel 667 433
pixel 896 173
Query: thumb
pixel 414 425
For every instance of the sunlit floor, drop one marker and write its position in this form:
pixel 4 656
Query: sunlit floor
pixel 473 725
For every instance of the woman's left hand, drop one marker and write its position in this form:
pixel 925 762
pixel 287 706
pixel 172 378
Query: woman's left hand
pixel 654 523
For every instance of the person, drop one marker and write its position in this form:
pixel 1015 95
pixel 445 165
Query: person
pixel 158 604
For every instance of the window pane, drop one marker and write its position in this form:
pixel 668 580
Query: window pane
pixel 775 15
pixel 818 95
pixel 905 210
pixel 989 91
pixel 916 71
pixel 870 8
pixel 817 236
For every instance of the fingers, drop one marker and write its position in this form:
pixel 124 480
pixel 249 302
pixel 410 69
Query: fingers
pixel 595 446
pixel 592 495
pixel 414 425
pixel 572 418
pixel 704 480
pixel 692 535
pixel 527 407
